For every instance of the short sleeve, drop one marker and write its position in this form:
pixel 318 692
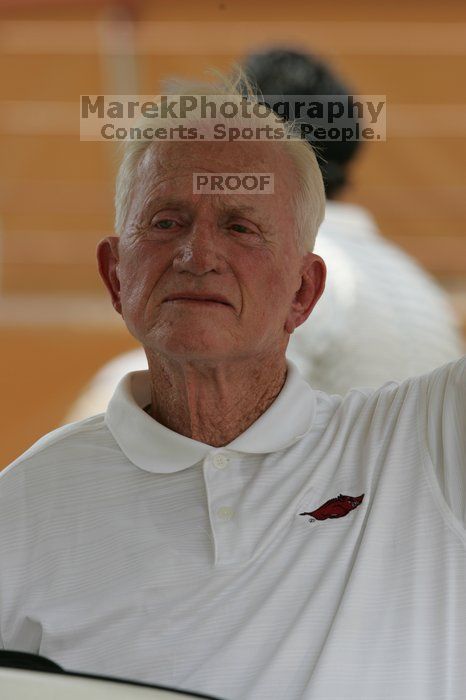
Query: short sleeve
pixel 443 426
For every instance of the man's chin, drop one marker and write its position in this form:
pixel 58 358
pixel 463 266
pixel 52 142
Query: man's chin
pixel 190 346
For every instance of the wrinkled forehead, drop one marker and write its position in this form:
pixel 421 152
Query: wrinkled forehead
pixel 168 162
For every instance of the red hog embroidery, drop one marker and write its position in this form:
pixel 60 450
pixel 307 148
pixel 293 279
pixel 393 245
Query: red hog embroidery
pixel 336 507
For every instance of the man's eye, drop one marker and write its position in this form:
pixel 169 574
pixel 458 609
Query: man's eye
pixel 245 229
pixel 162 222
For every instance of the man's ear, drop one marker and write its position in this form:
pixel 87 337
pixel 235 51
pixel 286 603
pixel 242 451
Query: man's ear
pixel 108 262
pixel 313 275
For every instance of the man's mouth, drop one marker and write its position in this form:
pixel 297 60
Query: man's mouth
pixel 198 299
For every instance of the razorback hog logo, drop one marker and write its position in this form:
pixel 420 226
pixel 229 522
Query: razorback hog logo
pixel 336 507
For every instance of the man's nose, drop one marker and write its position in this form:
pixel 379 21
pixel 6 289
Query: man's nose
pixel 199 252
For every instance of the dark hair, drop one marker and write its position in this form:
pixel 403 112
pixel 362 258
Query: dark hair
pixel 282 71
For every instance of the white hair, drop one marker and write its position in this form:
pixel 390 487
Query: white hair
pixel 308 197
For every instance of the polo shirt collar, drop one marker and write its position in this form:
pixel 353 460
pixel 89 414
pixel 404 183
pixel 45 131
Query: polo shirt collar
pixel 155 448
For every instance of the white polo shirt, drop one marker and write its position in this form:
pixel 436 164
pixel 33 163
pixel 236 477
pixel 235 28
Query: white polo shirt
pixel 320 555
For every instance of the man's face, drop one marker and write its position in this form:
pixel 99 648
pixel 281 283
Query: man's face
pixel 239 250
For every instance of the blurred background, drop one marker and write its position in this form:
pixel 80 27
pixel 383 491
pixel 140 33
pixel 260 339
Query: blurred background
pixel 56 193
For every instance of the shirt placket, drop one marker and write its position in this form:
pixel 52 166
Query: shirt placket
pixel 222 485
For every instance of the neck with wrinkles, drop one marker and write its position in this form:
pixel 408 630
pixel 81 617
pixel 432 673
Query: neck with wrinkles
pixel 213 403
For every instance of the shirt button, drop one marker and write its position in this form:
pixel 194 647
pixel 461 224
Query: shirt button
pixel 219 460
pixel 225 513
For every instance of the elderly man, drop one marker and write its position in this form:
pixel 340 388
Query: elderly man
pixel 225 528
pixel 381 318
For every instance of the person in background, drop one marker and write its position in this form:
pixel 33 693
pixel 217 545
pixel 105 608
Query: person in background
pixel 405 325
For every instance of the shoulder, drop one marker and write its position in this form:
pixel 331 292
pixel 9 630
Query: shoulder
pixel 435 385
pixel 451 373
pixel 50 482
pixel 429 390
pixel 69 443
pixel 442 405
